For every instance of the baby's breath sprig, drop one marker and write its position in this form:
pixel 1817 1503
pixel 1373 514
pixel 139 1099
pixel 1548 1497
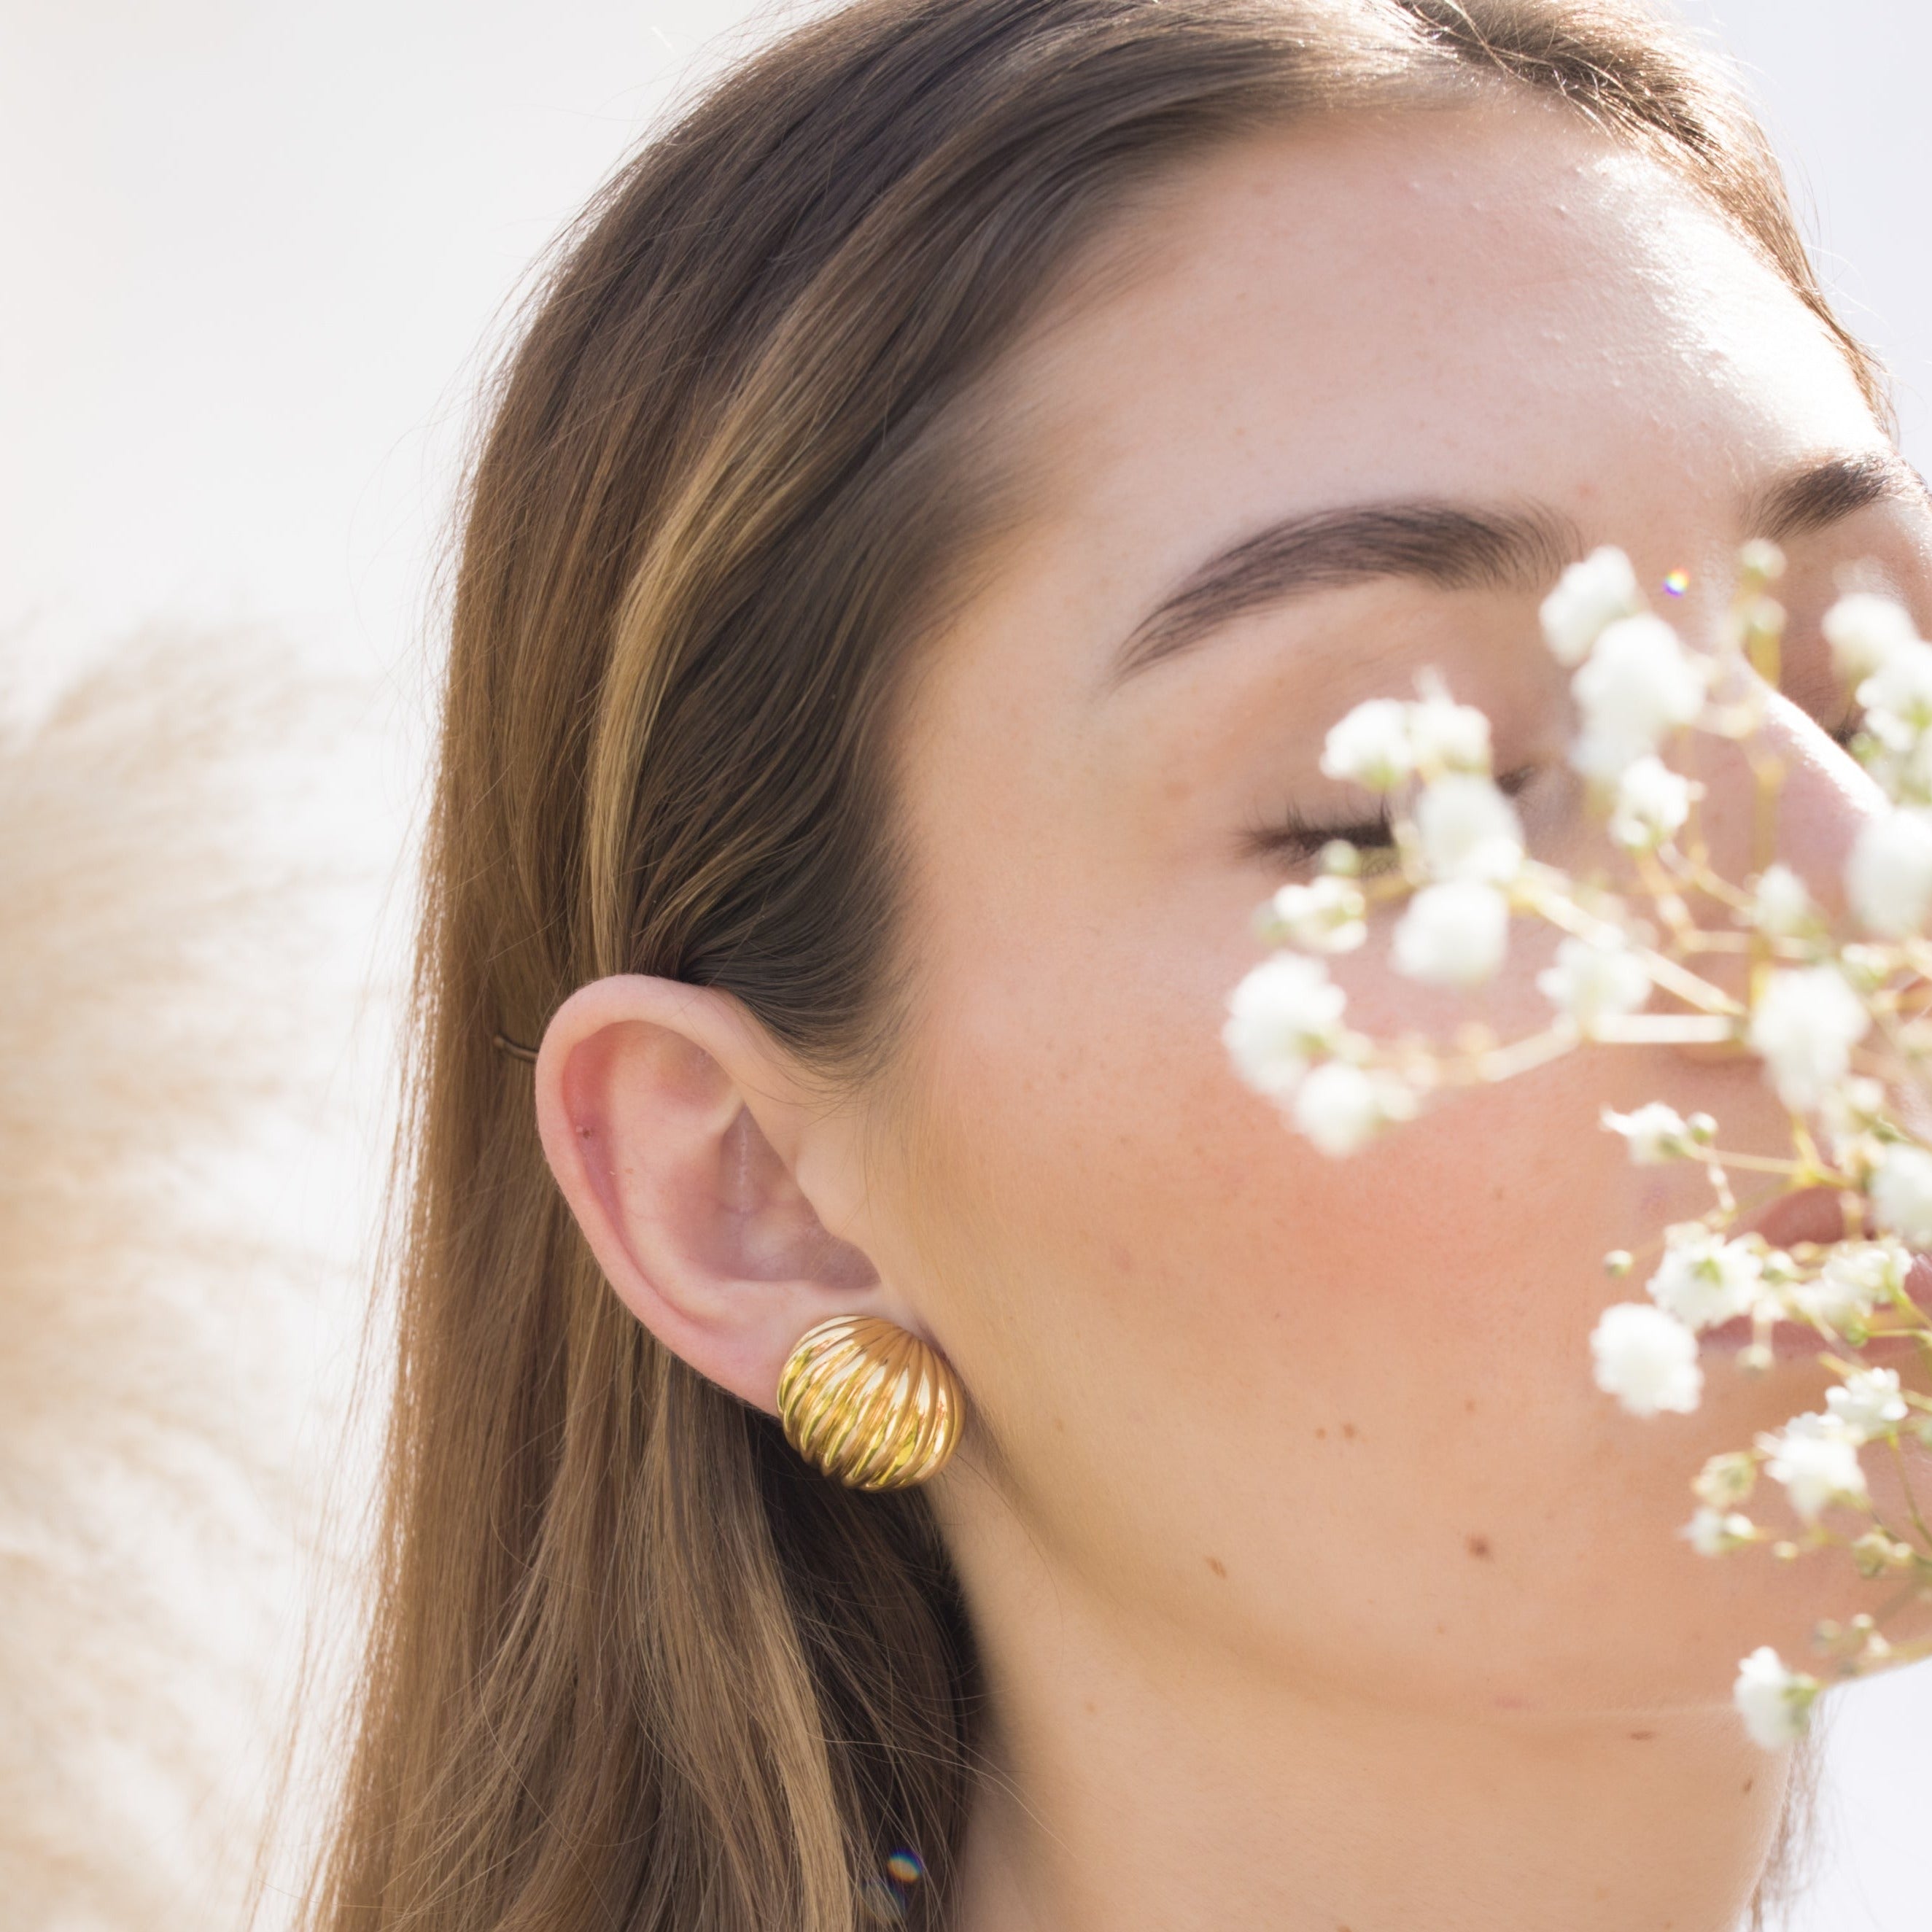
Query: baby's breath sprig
pixel 1841 1020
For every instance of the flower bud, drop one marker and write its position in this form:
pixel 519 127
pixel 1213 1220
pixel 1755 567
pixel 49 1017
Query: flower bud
pixel 1588 598
pixel 1654 1132
pixel 1876 1555
pixel 1727 1480
pixel 1888 876
pixel 1774 1703
pixel 1452 934
pixel 1647 1359
pixel 1863 631
pixel 1371 746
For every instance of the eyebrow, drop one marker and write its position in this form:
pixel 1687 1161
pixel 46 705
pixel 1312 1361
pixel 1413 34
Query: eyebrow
pixel 1822 493
pixel 1457 547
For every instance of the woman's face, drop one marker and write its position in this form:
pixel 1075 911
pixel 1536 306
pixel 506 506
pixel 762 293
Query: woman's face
pixel 1338 1414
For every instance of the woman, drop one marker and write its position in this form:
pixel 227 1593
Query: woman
pixel 950 484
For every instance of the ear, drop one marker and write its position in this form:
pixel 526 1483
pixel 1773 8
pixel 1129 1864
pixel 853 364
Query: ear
pixel 677 1131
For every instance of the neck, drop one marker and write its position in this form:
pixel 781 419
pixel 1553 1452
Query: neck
pixel 1142 1784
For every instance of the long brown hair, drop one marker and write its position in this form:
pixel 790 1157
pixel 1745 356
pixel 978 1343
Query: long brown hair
pixel 632 1666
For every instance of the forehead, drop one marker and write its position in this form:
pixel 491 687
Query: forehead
pixel 1495 302
pixel 1493 305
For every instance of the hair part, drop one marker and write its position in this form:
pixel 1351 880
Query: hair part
pixel 633 1665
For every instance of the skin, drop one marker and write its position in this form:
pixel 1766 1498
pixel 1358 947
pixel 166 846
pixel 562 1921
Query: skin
pixel 1317 1587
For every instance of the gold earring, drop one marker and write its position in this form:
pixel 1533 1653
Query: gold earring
pixel 869 1404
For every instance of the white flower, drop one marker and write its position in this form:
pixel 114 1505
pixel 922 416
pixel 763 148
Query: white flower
pixel 1903 771
pixel 1652 803
pixel 1703 1280
pixel 1339 1107
pixel 1806 1023
pixel 1775 1703
pixel 1371 746
pixel 1711 1532
pixel 1856 1276
pixel 1594 979
pixel 1726 1478
pixel 1856 1107
pixel 1588 597
pixel 1468 830
pixel 1286 1010
pixel 1454 934
pixel 1638 684
pixel 1655 1132
pixel 1781 908
pixel 1888 877
pixel 1324 916
pixel 1863 631
pixel 1647 1359
pixel 1901 1194
pixel 1444 735
pixel 1897 696
pixel 1869 1404
pixel 1815 1458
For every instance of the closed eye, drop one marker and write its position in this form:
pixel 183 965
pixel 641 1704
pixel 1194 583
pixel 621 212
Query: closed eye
pixel 1295 839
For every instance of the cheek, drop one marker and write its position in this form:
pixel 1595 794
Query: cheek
pixel 1148 1279
pixel 1342 1410
pixel 1094 1128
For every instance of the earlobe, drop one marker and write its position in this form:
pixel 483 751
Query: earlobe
pixel 672 1130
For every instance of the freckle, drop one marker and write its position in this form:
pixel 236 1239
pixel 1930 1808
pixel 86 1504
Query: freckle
pixel 1091 1707
pixel 1469 1407
pixel 1441 1630
pixel 1321 1436
pixel 1215 1564
pixel 1060 1424
pixel 1641 1737
pixel 1348 1431
pixel 1478 1546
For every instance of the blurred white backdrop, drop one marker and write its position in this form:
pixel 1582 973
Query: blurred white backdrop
pixel 254 250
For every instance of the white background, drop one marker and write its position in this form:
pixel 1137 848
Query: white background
pixel 252 252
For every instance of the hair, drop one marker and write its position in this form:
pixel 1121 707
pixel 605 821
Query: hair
pixel 631 1664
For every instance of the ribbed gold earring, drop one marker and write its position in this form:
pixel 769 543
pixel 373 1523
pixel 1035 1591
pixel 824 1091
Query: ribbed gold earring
pixel 870 1405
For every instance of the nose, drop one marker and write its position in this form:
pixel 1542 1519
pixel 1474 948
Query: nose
pixel 1790 794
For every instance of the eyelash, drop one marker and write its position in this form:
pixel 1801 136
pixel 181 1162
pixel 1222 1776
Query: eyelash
pixel 1297 839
